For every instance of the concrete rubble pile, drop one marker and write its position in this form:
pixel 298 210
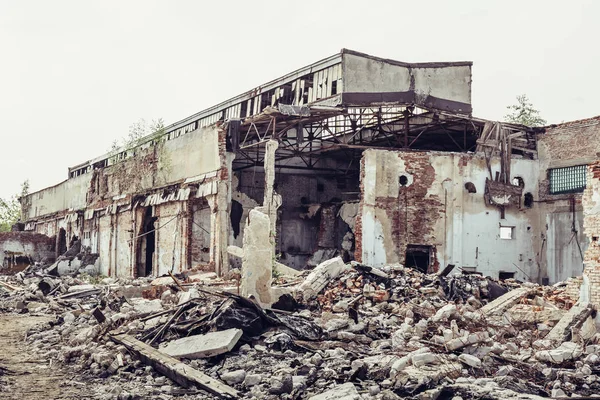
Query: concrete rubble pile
pixel 348 331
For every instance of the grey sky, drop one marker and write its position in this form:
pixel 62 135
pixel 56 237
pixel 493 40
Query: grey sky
pixel 75 74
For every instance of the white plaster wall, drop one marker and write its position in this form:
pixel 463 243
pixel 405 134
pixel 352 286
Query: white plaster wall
pixel 104 244
pixel 563 256
pixel 363 74
pixel 68 195
pixel 192 154
pixel 451 83
pixel 467 234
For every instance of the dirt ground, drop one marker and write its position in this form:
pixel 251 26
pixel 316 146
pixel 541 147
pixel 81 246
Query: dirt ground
pixel 22 375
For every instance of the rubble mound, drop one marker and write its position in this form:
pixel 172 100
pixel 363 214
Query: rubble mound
pixel 349 332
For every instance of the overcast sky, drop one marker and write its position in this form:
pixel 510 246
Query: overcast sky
pixel 75 74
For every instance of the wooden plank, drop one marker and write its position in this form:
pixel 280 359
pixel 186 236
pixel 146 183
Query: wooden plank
pixel 174 369
pixel 8 286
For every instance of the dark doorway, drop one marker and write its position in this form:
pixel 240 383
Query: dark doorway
pixel 146 244
pixel 61 247
pixel 418 257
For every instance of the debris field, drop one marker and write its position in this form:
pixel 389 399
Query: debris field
pixel 346 331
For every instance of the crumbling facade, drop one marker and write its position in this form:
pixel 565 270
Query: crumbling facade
pixel 370 159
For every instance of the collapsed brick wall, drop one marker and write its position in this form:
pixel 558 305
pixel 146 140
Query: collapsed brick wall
pixel 591 224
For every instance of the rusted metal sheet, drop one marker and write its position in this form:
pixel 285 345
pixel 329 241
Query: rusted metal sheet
pixel 502 194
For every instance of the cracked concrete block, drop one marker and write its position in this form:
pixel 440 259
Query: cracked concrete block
pixel 470 360
pixel 320 277
pixel 504 302
pixel 202 346
pixel 566 351
pixel 473 338
pixel 347 391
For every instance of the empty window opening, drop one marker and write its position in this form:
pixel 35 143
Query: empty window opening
pixel 470 186
pixel 403 180
pixel 503 275
pixel 506 232
pixel 469 270
pixel 518 181
pixel 418 257
pixel 567 179
pixel 528 200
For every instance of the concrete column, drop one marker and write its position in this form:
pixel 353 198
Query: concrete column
pixel 272 200
pixel 257 260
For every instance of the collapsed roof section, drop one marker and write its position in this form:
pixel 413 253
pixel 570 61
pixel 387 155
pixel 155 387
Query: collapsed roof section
pixel 347 80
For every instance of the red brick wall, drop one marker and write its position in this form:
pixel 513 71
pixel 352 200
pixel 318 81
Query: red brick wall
pixel 591 224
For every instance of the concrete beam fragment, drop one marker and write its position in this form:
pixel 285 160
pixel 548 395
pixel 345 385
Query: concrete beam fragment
pixel 316 281
pixel 505 302
pixel 202 346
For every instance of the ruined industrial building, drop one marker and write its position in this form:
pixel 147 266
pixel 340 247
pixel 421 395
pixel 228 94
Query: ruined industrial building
pixel 380 232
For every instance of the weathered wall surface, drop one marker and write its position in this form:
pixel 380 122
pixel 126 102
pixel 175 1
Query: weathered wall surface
pixel 68 195
pixel 447 81
pixel 433 208
pixel 106 207
pixel 564 145
pixel 187 156
pixel 25 244
pixel 591 204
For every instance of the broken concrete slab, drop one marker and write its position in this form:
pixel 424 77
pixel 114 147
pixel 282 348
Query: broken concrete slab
pixel 470 360
pixel 566 351
pixel 316 281
pixel 144 307
pixel 80 288
pixel 347 391
pixel 174 369
pixel 504 302
pixel 203 346
pixel 576 315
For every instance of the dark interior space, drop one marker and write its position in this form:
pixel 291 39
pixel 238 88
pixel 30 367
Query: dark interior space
pixel 418 257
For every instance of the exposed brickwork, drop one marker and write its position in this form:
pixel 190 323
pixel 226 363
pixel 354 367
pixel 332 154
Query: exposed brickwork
pixel 571 143
pixel 358 233
pixel 573 288
pixel 591 224
pixel 413 212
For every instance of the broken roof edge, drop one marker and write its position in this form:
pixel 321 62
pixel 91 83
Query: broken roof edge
pixel 410 65
pixel 318 65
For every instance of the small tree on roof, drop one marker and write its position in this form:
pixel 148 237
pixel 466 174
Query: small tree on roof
pixel 524 113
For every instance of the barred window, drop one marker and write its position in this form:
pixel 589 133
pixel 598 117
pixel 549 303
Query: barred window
pixel 568 179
